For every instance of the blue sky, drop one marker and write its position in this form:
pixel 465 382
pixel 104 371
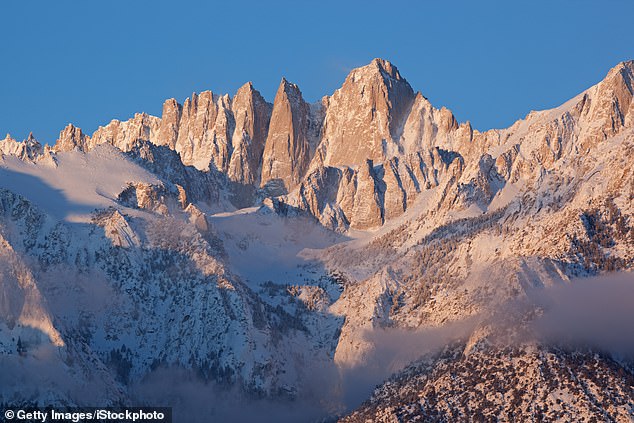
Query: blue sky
pixel 490 62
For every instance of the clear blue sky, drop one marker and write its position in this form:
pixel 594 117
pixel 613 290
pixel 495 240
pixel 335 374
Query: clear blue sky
pixel 87 62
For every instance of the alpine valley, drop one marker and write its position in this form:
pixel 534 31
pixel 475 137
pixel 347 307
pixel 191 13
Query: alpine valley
pixel 365 258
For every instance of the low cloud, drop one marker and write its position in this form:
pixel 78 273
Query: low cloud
pixel 394 349
pixel 195 400
pixel 591 312
pixel 596 312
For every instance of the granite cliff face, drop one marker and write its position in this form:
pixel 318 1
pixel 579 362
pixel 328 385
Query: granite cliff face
pixel 381 143
pixel 204 132
pixel 252 115
pixel 29 149
pixel 364 118
pixel 287 150
pixel 433 149
pixel 71 138
pixel 125 135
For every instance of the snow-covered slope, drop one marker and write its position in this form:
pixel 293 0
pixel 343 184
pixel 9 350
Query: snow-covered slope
pixel 136 284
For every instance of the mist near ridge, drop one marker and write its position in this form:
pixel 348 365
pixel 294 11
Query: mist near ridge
pixel 327 389
pixel 596 312
pixel 586 313
pixel 593 312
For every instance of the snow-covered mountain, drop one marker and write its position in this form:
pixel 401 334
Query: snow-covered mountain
pixel 268 249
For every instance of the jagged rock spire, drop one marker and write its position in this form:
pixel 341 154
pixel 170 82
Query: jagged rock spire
pixel 287 150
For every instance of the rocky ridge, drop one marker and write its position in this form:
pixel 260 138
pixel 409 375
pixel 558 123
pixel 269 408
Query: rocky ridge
pixel 289 146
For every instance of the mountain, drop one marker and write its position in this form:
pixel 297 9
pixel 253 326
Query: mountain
pixel 29 149
pixel 303 253
pixel 510 384
pixel 365 117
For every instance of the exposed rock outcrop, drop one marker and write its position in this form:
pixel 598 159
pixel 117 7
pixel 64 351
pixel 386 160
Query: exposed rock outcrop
pixel 287 150
pixel 71 138
pixel 204 132
pixel 252 115
pixel 29 149
pixel 364 118
pixel 317 155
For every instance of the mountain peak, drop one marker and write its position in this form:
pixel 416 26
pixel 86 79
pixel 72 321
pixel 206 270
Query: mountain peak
pixel 290 91
pixel 287 86
pixel 29 149
pixel 247 87
pixel 246 91
pixel 622 73
pixel 377 68
pixel 366 115
pixel 611 107
pixel 624 65
pixel 71 138
pixel 252 115
pixel 386 67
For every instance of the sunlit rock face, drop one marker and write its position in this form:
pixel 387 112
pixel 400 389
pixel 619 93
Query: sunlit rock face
pixel 365 117
pixel 287 149
pixel 252 116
